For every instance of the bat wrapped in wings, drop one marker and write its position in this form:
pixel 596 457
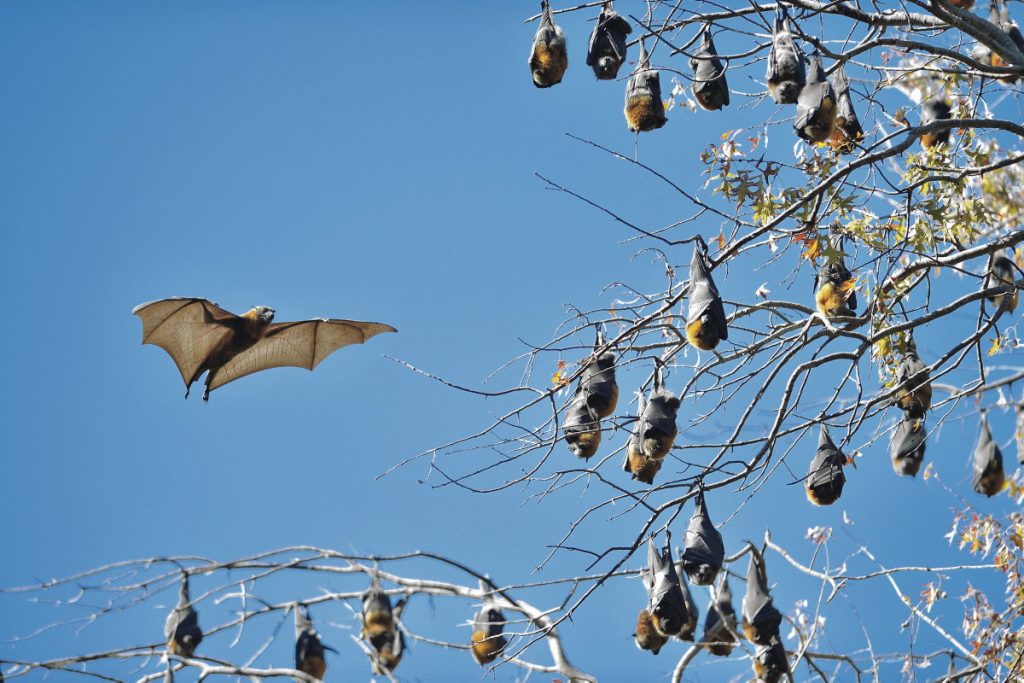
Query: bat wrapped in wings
pixel 934 109
pixel 309 651
pixel 720 623
pixel 596 397
pixel 786 76
pixel 907 446
pixel 825 480
pixel 915 393
pixel 654 433
pixel 673 612
pixel 488 634
pixel 760 618
pixel 1001 271
pixel 709 86
pixel 181 629
pixel 989 476
pixel 816 105
pixel 705 317
pixel 999 15
pixel 200 336
pixel 607 49
pixel 644 109
pixel 549 57
pixel 847 130
pixel 703 550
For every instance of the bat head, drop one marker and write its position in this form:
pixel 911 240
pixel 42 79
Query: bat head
pixel 264 314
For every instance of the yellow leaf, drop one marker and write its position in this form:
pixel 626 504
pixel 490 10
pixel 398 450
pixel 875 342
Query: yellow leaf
pixel 813 250
pixel 997 344
pixel 721 240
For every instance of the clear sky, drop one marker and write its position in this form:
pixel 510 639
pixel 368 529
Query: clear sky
pixel 359 160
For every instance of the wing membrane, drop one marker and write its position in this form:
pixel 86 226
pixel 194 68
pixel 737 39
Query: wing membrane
pixel 302 344
pixel 186 328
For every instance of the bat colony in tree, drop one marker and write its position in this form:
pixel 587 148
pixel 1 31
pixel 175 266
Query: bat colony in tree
pixel 202 338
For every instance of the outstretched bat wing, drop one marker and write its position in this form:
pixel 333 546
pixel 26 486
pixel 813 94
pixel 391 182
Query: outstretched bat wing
pixel 188 329
pixel 301 344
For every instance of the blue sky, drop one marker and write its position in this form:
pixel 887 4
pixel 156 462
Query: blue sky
pixel 360 160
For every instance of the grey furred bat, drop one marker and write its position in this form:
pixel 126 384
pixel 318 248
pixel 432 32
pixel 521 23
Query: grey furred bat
pixel 549 56
pixel 607 49
pixel 761 619
pixel 908 446
pixel 644 109
pixel 704 549
pixel 488 627
pixel 816 105
pixel 935 109
pixel 847 130
pixel 988 475
pixel 200 336
pixel 720 623
pixel 181 628
pixel 309 651
pixel 825 479
pixel 915 394
pixel 668 606
pixel 786 76
pixel 770 661
pixel 1001 271
pixel 706 325
pixel 709 86
pixel 654 433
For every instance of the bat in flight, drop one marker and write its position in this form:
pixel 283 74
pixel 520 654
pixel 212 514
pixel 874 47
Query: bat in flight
pixel 200 336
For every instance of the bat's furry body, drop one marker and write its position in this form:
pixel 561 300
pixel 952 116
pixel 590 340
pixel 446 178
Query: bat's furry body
pixel 607 49
pixel 825 480
pixel 709 86
pixel 549 57
pixel 646 637
pixel 989 476
pixel 309 651
pixel 181 628
pixel 1001 271
pixel 202 337
pixel 720 623
pixel 907 447
pixel 487 638
pixel 816 105
pixel 706 325
pixel 786 76
pixel 847 130
pixel 644 109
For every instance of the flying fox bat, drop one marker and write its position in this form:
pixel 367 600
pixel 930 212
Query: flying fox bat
pixel 644 109
pixel 388 643
pixel 709 86
pixel 704 550
pixel 488 639
pixel 770 662
pixel 935 109
pixel 907 446
pixel 607 49
pixel 989 476
pixel 915 394
pixel 705 317
pixel 816 105
pixel 720 623
pixel 549 57
pixel 833 288
pixel 672 611
pixel 760 618
pixel 582 430
pixel 181 629
pixel 786 77
pixel 654 433
pixel 200 336
pixel 377 613
pixel 1019 434
pixel 824 483
pixel 646 637
pixel 999 15
pixel 1001 272
pixel 309 651
pixel 847 130
pixel 597 386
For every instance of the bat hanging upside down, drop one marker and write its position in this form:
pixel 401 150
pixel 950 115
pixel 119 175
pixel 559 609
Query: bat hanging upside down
pixel 201 337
